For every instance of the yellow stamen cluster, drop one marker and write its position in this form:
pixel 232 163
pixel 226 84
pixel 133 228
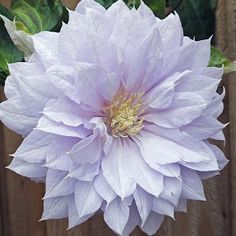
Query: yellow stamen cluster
pixel 123 114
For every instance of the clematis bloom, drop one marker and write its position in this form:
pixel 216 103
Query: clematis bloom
pixel 116 111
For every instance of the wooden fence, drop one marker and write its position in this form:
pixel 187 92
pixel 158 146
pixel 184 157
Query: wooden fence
pixel 20 198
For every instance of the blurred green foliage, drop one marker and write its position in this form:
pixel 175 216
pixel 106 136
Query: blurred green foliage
pixel 38 15
pixel 8 53
pixel 218 59
pixel 197 17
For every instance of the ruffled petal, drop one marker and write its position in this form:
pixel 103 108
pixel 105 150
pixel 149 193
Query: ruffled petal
pixel 15 110
pixel 86 172
pixel 27 169
pixel 154 150
pixel 88 150
pixel 113 166
pixel 55 208
pixel 63 188
pixel 104 189
pixel 138 170
pixel 133 220
pixel 171 31
pixel 117 215
pixel 192 185
pixel 49 126
pixel 163 207
pixel 172 190
pixel 143 202
pixel 89 4
pixel 153 223
pixel 73 216
pixel 87 200
pixel 184 109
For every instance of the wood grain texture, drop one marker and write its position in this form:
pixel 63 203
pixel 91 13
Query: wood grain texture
pixel 70 3
pixel 231 50
pixel 20 199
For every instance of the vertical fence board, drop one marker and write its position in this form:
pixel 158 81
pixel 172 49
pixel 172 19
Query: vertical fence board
pixel 3 197
pixel 231 50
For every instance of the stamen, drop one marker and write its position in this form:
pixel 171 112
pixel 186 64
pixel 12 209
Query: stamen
pixel 123 114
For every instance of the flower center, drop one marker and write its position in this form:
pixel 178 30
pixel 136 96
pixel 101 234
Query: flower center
pixel 123 114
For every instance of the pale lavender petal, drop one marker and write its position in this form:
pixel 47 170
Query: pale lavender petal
pixel 46 55
pixel 86 172
pixel 144 56
pixel 143 202
pixel 171 31
pixel 133 220
pixel 20 71
pixel 27 169
pixel 117 215
pixel 172 190
pixel 185 108
pixel 136 168
pixel 216 106
pixel 203 85
pixel 207 175
pixel 63 78
pixel 163 207
pixel 153 149
pixel 113 166
pixel 88 150
pixel 182 205
pixel 221 159
pixel 15 110
pixel 145 11
pixel 203 51
pixel 73 216
pixel 87 200
pixel 49 126
pixel 161 96
pixel 203 127
pixel 117 11
pixel 59 162
pixel 53 178
pixel 192 185
pixel 64 111
pixel 213 72
pixel 104 189
pixel 34 148
pixel 56 208
pixel 153 223
pixel 65 187
pixel 170 170
pixel 87 4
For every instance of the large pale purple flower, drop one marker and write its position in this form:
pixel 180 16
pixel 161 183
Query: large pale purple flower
pixel 117 111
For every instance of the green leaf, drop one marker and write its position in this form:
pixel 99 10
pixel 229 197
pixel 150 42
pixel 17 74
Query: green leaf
pixel 218 59
pixel 34 16
pixel 157 6
pixel 8 53
pixel 197 17
pixel 106 3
